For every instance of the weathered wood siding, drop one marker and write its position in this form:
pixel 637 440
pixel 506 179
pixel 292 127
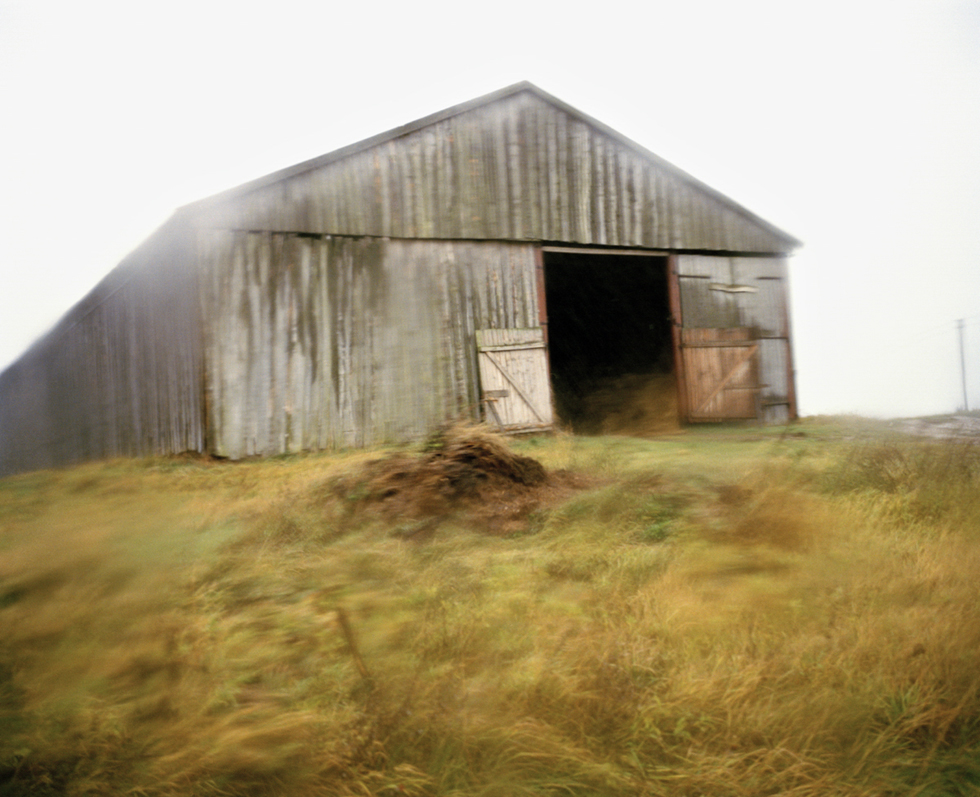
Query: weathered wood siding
pixel 517 168
pixel 325 341
pixel 745 292
pixel 120 375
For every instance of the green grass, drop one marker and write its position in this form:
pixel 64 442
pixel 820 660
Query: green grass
pixel 725 611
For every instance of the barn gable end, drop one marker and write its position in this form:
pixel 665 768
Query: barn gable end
pixel 516 165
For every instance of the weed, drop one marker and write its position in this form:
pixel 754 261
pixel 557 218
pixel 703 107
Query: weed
pixel 914 481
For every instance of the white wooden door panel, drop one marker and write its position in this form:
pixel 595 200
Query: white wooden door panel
pixel 514 384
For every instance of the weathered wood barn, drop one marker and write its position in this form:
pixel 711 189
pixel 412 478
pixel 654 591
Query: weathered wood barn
pixel 494 260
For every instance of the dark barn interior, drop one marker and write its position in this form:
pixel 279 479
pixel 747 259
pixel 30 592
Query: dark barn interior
pixel 609 344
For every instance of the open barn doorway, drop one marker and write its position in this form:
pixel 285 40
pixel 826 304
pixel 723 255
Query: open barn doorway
pixel 609 341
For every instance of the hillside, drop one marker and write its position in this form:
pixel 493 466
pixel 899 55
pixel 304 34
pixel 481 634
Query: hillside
pixel 720 611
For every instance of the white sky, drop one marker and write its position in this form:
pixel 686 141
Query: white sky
pixel 852 124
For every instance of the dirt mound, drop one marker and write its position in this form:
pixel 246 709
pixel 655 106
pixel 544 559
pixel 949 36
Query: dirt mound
pixel 631 404
pixel 466 473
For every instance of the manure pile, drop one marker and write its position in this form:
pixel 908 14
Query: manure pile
pixel 466 474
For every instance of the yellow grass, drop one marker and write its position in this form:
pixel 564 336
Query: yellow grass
pixel 723 611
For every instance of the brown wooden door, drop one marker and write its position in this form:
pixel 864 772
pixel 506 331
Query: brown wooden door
pixel 721 373
pixel 514 384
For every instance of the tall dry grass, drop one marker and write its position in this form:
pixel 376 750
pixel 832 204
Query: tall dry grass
pixel 723 613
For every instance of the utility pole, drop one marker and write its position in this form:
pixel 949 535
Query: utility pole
pixel 959 327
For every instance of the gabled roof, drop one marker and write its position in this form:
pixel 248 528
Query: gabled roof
pixel 322 162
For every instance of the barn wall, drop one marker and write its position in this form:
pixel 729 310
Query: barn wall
pixel 120 374
pixel 317 342
pixel 518 168
pixel 762 308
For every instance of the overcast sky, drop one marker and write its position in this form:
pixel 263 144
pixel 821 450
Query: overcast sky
pixel 854 125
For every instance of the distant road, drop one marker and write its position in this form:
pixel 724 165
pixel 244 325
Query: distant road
pixel 950 427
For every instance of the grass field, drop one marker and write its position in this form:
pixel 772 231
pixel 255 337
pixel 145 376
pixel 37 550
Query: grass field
pixel 722 611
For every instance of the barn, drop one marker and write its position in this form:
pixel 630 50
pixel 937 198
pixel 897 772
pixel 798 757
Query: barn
pixel 506 259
